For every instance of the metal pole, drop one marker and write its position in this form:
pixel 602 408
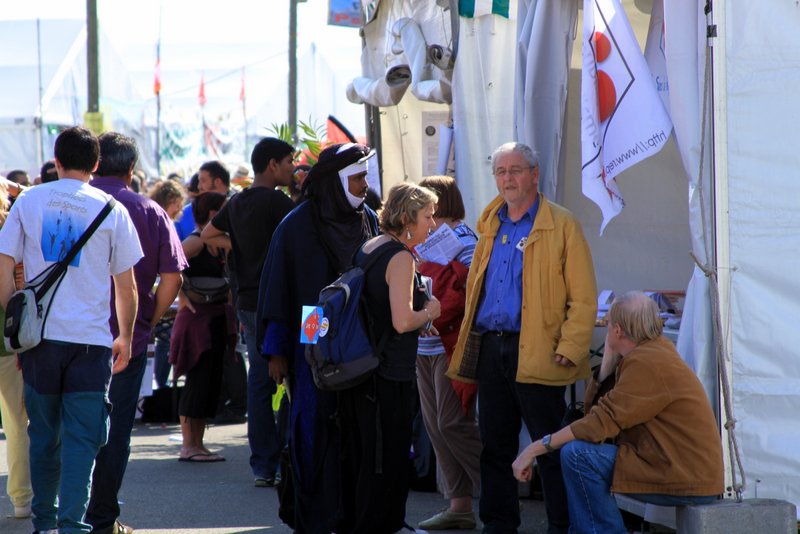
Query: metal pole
pixel 158 134
pixel 92 118
pixel 293 70
pixel 157 89
pixel 92 57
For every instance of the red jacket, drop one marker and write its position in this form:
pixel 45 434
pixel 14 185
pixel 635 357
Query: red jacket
pixel 449 286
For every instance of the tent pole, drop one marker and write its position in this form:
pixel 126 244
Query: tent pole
pixel 39 120
pixel 719 187
pixel 293 70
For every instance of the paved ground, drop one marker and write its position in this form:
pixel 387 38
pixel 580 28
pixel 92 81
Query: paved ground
pixel 161 494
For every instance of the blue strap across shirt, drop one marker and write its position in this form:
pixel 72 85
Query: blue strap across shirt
pixel 501 301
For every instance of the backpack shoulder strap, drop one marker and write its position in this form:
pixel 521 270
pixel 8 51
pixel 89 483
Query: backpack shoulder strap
pixel 378 253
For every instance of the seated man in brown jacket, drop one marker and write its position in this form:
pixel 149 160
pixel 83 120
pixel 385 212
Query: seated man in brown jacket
pixel 653 436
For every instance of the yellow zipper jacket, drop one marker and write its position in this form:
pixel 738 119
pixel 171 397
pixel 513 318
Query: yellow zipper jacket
pixel 559 296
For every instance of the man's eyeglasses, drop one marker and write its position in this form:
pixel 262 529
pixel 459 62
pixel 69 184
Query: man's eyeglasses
pixel 513 171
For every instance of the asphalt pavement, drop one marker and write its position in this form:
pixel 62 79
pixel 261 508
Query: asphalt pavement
pixel 161 495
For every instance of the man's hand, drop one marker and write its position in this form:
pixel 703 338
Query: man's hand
pixel 120 354
pixel 523 465
pixel 564 361
pixel 278 367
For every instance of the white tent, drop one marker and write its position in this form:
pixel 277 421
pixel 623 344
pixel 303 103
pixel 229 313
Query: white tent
pixel 43 66
pixel 749 239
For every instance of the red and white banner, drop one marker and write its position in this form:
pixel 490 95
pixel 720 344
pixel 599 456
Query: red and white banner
pixel 623 120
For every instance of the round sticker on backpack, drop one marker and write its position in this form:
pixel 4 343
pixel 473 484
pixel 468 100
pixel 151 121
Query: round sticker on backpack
pixel 323 327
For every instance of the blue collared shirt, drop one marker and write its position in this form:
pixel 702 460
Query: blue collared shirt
pixel 501 301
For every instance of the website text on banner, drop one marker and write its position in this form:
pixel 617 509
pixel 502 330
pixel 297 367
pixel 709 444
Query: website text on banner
pixel 623 120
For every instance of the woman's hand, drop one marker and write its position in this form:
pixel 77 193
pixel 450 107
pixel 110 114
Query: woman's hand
pixel 184 302
pixel 434 307
pixel 432 331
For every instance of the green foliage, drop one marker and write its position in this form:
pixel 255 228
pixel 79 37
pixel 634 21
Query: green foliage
pixel 311 138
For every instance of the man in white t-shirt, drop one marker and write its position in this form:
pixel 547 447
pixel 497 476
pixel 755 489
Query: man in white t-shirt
pixel 67 375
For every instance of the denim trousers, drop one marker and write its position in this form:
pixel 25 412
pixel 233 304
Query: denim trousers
pixel 262 432
pixel 503 403
pixel 162 365
pixel 65 396
pixel 588 471
pixel 112 460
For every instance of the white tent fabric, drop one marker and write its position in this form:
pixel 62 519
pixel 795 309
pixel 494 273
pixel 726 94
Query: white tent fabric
pixel 58 81
pixel 62 87
pixel 762 50
pixel 483 118
pixel 685 49
pixel 760 109
pixel 544 49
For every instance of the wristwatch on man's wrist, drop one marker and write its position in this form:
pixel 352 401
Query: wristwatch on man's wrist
pixel 546 443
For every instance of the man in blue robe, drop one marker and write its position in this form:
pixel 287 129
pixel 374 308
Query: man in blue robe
pixel 310 248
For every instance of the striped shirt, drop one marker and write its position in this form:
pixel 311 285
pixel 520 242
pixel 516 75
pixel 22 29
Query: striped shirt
pixel 432 345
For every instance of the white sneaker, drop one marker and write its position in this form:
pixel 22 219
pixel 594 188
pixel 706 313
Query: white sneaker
pixel 22 512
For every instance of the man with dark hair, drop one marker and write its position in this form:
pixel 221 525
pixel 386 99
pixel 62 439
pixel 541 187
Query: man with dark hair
pixel 249 220
pixel 309 250
pixel 19 176
pixel 213 176
pixel 77 150
pixel 48 173
pixel 67 375
pixel 185 225
pixel 164 258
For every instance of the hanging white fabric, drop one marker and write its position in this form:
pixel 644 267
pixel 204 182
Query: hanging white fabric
pixel 543 54
pixel 623 120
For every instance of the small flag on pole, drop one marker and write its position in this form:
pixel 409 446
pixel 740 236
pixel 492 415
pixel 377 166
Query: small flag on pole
pixel 623 120
pixel 157 80
pixel 336 132
pixel 201 96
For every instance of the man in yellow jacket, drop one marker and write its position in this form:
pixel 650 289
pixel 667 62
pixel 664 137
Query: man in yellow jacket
pixel 530 310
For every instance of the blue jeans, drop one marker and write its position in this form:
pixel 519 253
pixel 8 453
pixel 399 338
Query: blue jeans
pixel 162 365
pixel 112 460
pixel 262 433
pixel 588 471
pixel 65 396
pixel 503 404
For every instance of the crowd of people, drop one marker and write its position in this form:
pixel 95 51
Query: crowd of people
pixel 484 340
